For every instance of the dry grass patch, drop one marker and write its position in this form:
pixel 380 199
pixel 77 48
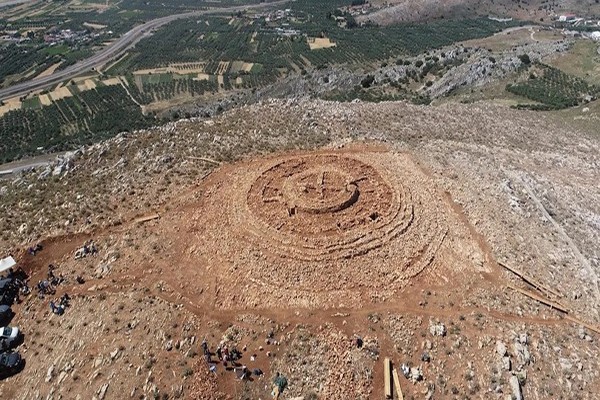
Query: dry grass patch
pixel 50 70
pixel 89 84
pixel 582 61
pixel 149 71
pixel 202 77
pixel 60 93
pixel 188 68
pixel 175 68
pixel 222 68
pixel 320 43
pixel 45 100
pixel 9 105
pixel 94 26
pixel 112 81
pixel 236 66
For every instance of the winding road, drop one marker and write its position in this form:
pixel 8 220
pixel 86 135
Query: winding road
pixel 116 49
pixel 8 3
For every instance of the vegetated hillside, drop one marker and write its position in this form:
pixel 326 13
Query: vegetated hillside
pixel 234 54
pixel 553 89
pixel 420 10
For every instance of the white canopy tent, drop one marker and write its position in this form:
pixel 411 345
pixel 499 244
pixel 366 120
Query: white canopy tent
pixel 7 263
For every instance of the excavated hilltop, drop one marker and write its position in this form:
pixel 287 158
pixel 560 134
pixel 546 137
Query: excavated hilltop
pixel 460 241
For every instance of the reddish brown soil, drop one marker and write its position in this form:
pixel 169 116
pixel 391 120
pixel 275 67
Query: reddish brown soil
pixel 325 240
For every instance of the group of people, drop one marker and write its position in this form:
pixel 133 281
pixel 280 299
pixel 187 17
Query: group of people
pixel 227 356
pixel 89 248
pixel 23 289
pixel 34 249
pixel 19 283
pixel 53 279
pixel 58 307
pixel 48 286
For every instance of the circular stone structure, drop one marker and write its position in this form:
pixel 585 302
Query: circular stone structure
pixel 318 227
pixel 324 207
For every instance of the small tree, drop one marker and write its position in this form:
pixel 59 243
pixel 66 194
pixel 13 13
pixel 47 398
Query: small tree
pixel 525 59
pixel 367 81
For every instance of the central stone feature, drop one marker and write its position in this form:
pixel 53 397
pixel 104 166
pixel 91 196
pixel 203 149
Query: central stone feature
pixel 325 206
pixel 319 190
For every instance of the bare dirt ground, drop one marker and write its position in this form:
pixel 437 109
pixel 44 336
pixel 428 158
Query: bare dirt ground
pixel 50 70
pixel 386 221
pixel 320 43
pixel 10 104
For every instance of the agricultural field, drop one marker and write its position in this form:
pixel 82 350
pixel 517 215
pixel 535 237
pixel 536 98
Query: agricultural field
pixel 314 42
pixel 216 54
pixel 553 89
pixel 16 61
pixel 505 41
pixel 68 121
pixel 19 62
pixel 117 16
pixel 157 87
pixel 320 43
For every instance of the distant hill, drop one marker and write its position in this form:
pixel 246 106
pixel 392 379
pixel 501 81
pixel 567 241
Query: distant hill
pixel 420 10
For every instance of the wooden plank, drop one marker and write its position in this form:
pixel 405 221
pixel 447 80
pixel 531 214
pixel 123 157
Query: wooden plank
pixel 542 300
pixel 387 367
pixel 147 218
pixel 558 307
pixel 397 384
pixel 530 281
pixel 592 328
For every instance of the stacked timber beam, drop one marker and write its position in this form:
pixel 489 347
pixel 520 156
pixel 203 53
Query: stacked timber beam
pixel 548 293
pixel 390 374
pixel 397 384
pixel 387 374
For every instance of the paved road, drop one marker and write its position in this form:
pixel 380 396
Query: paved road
pixel 13 168
pixel 114 50
pixel 514 29
pixel 12 2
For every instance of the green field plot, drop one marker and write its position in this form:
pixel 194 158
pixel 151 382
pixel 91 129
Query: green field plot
pixel 156 78
pixel 212 39
pixel 257 68
pixel 54 50
pixel 236 67
pixel 15 60
pixel 581 60
pixel 32 103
